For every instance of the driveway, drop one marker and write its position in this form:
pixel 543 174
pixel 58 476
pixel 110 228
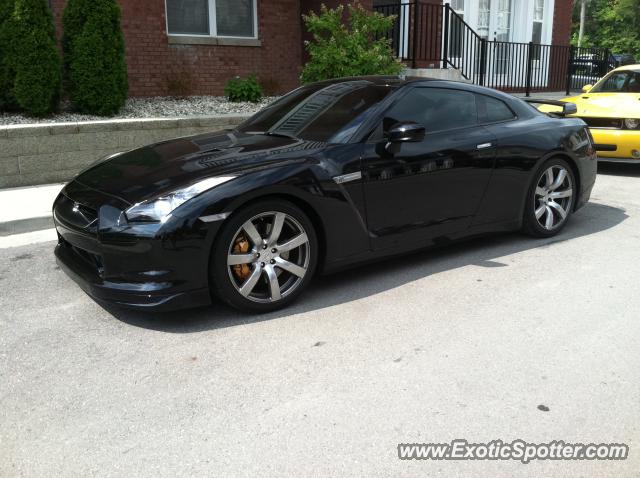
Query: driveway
pixel 469 341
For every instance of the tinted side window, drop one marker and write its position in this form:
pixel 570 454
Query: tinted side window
pixel 497 110
pixel 436 109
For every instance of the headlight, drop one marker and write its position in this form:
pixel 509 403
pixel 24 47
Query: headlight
pixel 158 210
pixel 632 123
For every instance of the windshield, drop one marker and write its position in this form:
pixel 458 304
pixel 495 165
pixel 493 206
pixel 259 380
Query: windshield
pixel 320 112
pixel 619 82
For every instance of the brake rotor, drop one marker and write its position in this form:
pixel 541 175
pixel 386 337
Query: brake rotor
pixel 241 246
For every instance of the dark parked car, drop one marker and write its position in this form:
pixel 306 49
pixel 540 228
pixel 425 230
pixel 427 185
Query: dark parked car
pixel 622 59
pixel 333 174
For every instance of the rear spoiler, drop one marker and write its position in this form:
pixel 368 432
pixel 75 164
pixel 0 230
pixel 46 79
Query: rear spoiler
pixel 567 108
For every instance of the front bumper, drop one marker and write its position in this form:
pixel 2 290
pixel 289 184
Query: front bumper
pixel 124 294
pixel 150 267
pixel 626 142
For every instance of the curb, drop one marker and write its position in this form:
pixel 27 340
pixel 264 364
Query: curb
pixel 20 226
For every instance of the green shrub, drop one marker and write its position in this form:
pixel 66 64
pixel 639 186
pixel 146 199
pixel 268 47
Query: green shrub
pixel 33 58
pixel 248 89
pixel 95 66
pixel 74 17
pixel 348 47
pixel 7 73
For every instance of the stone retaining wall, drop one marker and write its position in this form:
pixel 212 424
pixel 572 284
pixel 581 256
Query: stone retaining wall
pixel 49 153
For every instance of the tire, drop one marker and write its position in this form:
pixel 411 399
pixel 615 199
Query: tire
pixel 552 191
pixel 256 271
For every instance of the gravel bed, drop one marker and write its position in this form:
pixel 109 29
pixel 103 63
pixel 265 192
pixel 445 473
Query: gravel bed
pixel 158 107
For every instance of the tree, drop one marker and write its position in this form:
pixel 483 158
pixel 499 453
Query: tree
pixel 583 19
pixel 349 46
pixel 95 66
pixel 32 66
pixel 612 24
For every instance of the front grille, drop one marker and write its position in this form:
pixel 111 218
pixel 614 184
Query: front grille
pixel 94 261
pixel 75 214
pixel 611 123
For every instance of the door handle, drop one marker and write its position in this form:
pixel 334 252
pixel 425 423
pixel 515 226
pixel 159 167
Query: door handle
pixel 484 145
pixel 345 178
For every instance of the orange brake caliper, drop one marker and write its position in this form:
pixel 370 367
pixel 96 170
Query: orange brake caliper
pixel 241 246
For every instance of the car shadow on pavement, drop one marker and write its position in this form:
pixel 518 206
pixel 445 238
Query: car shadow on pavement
pixel 369 280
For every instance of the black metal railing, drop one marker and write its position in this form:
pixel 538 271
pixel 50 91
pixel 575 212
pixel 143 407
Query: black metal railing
pixel 426 35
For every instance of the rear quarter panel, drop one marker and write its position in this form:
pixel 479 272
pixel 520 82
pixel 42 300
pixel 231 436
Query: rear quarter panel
pixel 522 146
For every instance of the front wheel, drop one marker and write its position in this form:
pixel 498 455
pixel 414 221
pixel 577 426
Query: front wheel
pixel 550 199
pixel 264 257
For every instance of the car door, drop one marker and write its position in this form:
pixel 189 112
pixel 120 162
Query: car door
pixel 429 190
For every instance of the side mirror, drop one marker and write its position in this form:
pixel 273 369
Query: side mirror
pixel 569 109
pixel 587 88
pixel 408 132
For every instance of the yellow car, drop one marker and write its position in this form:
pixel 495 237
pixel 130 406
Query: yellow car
pixel 611 108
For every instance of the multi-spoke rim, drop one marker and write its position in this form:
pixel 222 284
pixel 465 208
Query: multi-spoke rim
pixel 278 257
pixel 553 197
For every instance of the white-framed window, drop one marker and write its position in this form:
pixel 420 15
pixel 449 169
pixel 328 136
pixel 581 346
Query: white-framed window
pixel 212 18
pixel 484 13
pixel 458 6
pixel 503 23
pixel 536 32
pixel 456 29
pixel 538 19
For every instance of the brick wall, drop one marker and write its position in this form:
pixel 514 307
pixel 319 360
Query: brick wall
pixel 159 68
pixel 314 5
pixel 562 22
pixel 57 6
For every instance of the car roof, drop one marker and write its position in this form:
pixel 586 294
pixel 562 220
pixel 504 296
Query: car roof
pixel 635 68
pixel 380 80
pixel 398 81
pixel 401 80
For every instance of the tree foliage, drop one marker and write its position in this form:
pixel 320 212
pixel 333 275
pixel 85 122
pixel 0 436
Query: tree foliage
pixel 95 66
pixel 612 24
pixel 348 46
pixel 31 66
pixel 7 73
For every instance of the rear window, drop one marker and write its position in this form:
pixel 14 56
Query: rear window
pixel 495 110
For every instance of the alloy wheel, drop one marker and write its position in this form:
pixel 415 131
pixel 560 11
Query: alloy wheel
pixel 553 197
pixel 268 257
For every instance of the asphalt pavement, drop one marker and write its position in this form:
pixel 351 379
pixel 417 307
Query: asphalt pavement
pixel 503 337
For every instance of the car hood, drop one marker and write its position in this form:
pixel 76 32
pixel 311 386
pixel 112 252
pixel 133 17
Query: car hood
pixel 160 168
pixel 607 105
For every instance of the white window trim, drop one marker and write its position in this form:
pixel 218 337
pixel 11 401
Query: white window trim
pixel 213 25
pixel 521 20
pixel 459 11
pixel 547 25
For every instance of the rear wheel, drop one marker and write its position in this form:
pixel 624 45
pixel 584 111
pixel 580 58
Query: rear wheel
pixel 550 199
pixel 264 257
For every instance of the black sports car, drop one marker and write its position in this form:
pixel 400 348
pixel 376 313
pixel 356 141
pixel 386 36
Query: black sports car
pixel 332 174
